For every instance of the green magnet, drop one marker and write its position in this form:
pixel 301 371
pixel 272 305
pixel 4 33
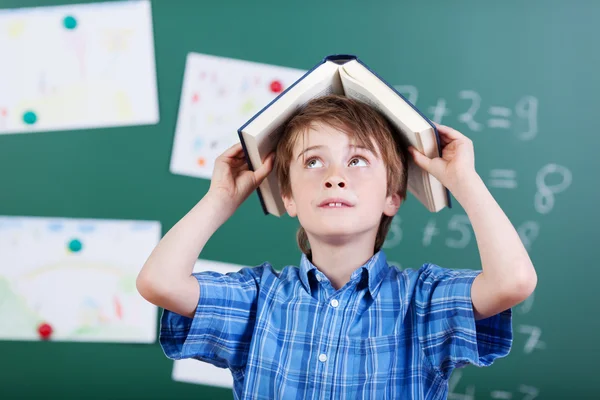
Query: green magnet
pixel 75 245
pixel 29 118
pixel 70 22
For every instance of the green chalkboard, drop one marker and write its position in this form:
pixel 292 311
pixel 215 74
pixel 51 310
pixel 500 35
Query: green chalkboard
pixel 519 78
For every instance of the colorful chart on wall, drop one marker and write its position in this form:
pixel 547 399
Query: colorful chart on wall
pixel 77 66
pixel 218 96
pixel 65 279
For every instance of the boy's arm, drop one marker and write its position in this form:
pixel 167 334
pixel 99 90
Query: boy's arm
pixel 508 276
pixel 166 278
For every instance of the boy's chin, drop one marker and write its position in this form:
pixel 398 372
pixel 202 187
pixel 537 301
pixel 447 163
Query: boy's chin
pixel 339 232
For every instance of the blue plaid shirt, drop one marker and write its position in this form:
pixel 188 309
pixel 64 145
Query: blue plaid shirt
pixel 388 333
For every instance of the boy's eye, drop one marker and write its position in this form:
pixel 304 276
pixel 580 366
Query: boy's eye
pixel 313 163
pixel 356 160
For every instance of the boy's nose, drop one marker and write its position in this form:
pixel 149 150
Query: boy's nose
pixel 335 180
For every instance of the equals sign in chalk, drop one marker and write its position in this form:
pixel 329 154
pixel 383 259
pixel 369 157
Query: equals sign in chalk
pixel 501 115
pixel 503 178
pixel 501 394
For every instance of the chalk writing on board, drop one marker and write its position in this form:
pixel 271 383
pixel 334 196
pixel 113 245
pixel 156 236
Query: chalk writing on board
pixel 503 178
pixel 533 342
pixel 527 110
pixel 526 305
pixel 394 236
pixel 501 394
pixel 453 383
pixel 500 117
pixel 524 392
pixel 544 197
pixel 429 232
pixel 468 116
pixel 439 111
pixel 461 224
pixel 529 392
pixel 395 264
pixel 528 231
pixel 410 92
pixel 458 232
pixel 523 121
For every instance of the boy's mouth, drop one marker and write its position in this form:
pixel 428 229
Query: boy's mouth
pixel 335 203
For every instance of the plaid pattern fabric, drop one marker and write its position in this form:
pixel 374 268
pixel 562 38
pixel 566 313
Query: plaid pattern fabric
pixel 387 334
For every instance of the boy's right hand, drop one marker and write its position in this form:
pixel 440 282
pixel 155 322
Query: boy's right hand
pixel 232 181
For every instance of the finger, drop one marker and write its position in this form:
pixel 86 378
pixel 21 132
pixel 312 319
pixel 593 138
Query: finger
pixel 234 151
pixel 444 140
pixel 237 160
pixel 241 167
pixel 451 133
pixel 264 170
pixel 420 159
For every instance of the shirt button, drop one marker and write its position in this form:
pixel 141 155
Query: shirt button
pixel 319 278
pixel 335 303
pixel 322 358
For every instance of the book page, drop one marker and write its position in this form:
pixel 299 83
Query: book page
pixel 323 80
pixel 260 135
pixel 218 95
pixel 77 66
pixel 418 183
pixel 65 279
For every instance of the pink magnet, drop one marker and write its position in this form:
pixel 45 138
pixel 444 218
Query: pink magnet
pixel 45 331
pixel 276 86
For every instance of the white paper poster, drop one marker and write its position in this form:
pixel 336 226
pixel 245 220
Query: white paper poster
pixel 199 372
pixel 218 96
pixel 67 279
pixel 77 66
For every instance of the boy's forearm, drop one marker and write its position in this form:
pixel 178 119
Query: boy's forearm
pixel 504 259
pixel 174 257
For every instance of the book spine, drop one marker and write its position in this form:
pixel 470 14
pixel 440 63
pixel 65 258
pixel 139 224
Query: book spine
pixel 251 167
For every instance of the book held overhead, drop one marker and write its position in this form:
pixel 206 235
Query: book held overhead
pixel 348 76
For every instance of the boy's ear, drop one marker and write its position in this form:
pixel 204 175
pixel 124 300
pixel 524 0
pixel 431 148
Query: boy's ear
pixel 290 205
pixel 392 204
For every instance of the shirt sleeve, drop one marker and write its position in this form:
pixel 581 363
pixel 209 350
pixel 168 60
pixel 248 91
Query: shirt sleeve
pixel 221 329
pixel 450 335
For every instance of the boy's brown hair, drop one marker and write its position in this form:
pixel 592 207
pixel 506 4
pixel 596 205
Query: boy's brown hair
pixel 363 123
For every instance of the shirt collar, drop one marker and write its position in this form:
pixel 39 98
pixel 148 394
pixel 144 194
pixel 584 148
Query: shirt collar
pixel 375 269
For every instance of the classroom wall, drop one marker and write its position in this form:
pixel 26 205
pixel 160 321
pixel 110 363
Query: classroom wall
pixel 518 78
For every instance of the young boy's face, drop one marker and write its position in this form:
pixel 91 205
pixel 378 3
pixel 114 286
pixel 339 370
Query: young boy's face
pixel 338 189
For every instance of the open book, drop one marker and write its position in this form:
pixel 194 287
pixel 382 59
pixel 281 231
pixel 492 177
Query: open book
pixel 345 75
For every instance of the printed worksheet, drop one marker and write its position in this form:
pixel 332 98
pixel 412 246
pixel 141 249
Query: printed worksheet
pixel 77 66
pixel 65 279
pixel 199 372
pixel 218 96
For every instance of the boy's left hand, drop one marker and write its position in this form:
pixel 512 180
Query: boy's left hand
pixel 457 163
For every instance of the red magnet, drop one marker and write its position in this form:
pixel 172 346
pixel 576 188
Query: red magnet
pixel 276 87
pixel 45 331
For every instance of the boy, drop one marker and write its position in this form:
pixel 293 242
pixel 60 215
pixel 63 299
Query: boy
pixel 345 324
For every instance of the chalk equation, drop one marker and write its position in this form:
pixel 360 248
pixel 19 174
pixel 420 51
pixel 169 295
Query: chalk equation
pixel 523 119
